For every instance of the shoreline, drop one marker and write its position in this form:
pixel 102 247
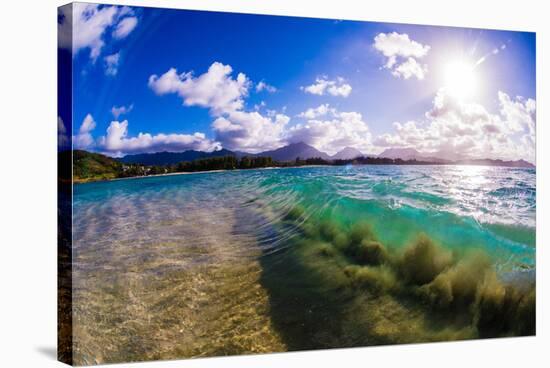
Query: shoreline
pixel 76 181
pixel 85 181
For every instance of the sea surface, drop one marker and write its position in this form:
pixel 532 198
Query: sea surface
pixel 223 263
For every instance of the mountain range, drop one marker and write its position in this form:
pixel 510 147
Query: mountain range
pixel 294 151
pixel 402 153
pixel 413 154
pixel 304 151
pixel 348 153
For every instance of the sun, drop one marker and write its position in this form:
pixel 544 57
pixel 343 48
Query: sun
pixel 460 79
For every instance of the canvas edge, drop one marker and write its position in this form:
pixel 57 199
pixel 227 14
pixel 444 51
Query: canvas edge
pixel 64 184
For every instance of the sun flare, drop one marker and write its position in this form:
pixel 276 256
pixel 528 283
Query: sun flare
pixel 460 79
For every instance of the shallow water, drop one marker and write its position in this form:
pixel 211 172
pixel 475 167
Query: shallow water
pixel 226 263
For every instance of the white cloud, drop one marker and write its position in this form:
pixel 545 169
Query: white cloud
pixel 254 131
pixel 215 89
pixel 117 142
pixel 343 90
pixel 410 68
pixel 125 10
pixel 263 86
pixel 224 95
pixel 314 112
pixel 323 85
pixel 111 64
pixel 121 110
pixel 63 141
pixel 345 129
pixel 91 22
pixel 84 139
pixel 259 106
pixel 125 27
pixel 250 131
pixel 454 129
pixel 395 44
pixel 402 54
pixel 520 114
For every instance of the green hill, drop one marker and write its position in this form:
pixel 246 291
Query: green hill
pixel 94 166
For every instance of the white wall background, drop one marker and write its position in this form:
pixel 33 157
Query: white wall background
pixel 28 180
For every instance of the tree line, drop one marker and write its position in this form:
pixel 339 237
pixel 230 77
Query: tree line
pixel 203 164
pixel 250 162
pixel 89 166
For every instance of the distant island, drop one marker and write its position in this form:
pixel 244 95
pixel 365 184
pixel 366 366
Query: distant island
pixel 90 166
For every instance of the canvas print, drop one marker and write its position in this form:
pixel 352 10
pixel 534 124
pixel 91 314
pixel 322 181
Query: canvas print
pixel 241 184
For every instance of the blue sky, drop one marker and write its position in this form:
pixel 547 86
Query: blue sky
pixel 147 80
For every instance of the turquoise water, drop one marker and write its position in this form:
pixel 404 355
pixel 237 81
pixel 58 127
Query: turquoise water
pixel 263 260
pixel 492 208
